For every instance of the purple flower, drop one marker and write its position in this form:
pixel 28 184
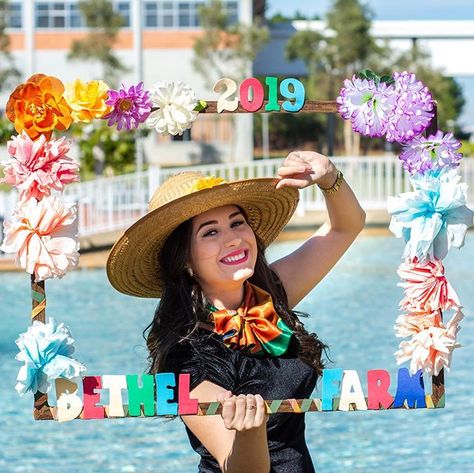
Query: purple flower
pixel 435 152
pixel 367 105
pixel 413 108
pixel 131 106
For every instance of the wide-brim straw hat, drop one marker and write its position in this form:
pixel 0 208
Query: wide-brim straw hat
pixel 134 267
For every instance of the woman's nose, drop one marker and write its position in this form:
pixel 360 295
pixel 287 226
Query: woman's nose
pixel 232 240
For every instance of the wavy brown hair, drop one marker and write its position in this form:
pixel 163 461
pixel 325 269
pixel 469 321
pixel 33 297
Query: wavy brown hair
pixel 183 304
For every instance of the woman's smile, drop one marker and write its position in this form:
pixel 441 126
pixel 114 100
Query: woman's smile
pixel 236 257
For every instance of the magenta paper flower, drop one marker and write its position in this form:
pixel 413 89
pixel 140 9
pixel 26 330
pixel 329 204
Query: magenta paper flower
pixel 37 167
pixel 43 235
pixel 426 287
pixel 413 108
pixel 435 152
pixel 367 105
pixel 431 345
pixel 131 106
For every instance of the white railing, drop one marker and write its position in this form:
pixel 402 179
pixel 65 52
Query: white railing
pixel 110 204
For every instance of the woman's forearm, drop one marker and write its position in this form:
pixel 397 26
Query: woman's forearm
pixel 249 452
pixel 344 210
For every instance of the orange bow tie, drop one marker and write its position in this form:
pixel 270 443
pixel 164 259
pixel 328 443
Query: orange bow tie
pixel 254 327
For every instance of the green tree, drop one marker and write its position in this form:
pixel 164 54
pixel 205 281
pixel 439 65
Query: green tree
pixel 338 54
pixel 104 23
pixel 445 90
pixel 225 49
pixel 8 72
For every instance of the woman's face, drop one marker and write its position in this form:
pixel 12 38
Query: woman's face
pixel 223 248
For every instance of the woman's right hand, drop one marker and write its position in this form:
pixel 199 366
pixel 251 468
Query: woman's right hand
pixel 243 412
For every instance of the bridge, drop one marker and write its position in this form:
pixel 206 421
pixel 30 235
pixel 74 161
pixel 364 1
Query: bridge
pixel 107 206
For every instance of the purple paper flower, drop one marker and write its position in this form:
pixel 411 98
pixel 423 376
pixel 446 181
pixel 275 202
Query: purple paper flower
pixel 131 106
pixel 435 152
pixel 367 105
pixel 413 108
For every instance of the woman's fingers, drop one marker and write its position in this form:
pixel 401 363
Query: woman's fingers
pixel 293 182
pixel 244 412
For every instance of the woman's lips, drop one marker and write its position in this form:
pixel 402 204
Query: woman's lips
pixel 239 261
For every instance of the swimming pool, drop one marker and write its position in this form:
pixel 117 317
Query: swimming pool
pixel 353 310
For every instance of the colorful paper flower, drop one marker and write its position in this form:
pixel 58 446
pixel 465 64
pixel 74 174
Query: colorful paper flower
pixel 207 182
pixel 176 102
pixel 38 107
pixel 413 109
pixel 367 105
pixel 131 105
pixel 87 100
pixel 46 351
pixel 435 152
pixel 432 218
pixel 43 235
pixel 426 287
pixel 430 348
pixel 38 166
pixel 408 325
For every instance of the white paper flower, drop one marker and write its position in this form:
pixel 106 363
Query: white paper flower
pixel 176 102
pixel 45 349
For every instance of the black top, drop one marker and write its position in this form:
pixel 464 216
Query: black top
pixel 206 357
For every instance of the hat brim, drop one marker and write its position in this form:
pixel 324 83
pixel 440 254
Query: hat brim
pixel 133 265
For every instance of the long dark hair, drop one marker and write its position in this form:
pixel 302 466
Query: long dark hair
pixel 183 303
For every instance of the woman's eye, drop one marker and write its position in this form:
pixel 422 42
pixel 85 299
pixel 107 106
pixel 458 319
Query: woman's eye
pixel 238 223
pixel 210 232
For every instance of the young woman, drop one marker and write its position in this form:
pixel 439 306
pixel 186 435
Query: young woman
pixel 225 315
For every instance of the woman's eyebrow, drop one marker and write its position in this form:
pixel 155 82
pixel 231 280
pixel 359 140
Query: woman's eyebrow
pixel 213 222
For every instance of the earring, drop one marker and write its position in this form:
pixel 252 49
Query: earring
pixel 189 271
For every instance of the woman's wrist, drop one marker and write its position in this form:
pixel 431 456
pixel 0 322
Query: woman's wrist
pixel 329 179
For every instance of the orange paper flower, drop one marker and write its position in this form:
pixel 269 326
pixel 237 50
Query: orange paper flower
pixel 87 100
pixel 38 107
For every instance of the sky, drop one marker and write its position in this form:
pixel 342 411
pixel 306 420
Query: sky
pixel 385 9
pixel 396 10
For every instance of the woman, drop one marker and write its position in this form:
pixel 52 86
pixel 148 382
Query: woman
pixel 226 316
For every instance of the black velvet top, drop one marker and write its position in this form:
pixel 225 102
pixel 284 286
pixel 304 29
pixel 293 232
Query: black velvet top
pixel 285 377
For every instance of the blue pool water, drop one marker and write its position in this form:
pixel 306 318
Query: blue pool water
pixel 353 310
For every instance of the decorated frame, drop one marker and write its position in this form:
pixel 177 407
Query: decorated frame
pixel 43 233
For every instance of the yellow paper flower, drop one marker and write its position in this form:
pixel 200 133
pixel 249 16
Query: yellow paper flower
pixel 87 99
pixel 206 183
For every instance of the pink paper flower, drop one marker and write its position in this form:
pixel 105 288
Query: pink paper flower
pixel 408 325
pixel 44 237
pixel 430 348
pixel 426 287
pixel 367 105
pixel 38 166
pixel 413 108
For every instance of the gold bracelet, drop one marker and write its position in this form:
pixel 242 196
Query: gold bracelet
pixel 335 187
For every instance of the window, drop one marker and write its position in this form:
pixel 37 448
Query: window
pixel 180 14
pixel 13 15
pixel 62 15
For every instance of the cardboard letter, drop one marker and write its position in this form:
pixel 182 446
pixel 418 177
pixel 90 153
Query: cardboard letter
pixel 115 384
pixel 164 393
pixel 91 398
pixel 330 387
pixel 410 388
pixel 69 404
pixel 186 405
pixel 351 392
pixel 138 396
pixel 378 382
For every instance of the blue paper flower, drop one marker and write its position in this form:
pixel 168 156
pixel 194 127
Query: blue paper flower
pixel 45 349
pixel 432 218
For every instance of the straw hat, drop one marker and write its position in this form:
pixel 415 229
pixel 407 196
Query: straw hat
pixel 133 266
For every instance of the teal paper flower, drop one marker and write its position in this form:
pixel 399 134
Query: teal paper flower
pixel 432 218
pixel 45 349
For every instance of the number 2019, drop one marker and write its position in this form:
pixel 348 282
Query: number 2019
pixel 251 94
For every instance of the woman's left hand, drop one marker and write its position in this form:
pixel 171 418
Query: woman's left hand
pixel 305 168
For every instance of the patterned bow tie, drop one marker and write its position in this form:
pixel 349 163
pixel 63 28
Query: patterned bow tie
pixel 255 327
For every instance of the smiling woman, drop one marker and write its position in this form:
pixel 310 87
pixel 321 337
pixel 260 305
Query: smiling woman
pixel 226 316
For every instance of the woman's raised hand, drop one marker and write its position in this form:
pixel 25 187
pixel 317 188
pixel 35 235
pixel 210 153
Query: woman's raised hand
pixel 304 168
pixel 243 412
